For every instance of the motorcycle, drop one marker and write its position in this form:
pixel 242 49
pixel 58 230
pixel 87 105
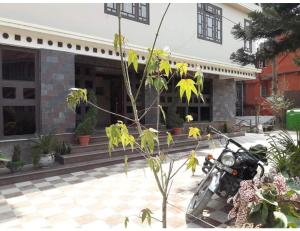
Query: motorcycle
pixel 224 174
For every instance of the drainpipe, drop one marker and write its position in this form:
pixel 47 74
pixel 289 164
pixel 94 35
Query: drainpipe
pixel 274 76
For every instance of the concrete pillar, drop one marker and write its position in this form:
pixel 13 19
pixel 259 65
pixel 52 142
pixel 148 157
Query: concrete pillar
pixel 224 99
pixel 57 76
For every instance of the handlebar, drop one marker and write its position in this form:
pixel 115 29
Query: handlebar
pixel 229 140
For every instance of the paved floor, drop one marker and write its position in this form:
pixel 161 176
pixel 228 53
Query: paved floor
pixel 102 197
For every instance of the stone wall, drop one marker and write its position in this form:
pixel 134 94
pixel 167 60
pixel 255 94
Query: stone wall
pixel 224 99
pixel 57 76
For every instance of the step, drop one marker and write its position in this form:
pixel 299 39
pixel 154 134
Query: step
pixel 104 144
pixel 102 154
pixel 65 169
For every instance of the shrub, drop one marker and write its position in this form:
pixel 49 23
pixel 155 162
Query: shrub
pixel 89 122
pixel 63 148
pixel 16 163
pixel 43 144
pixel 270 202
pixel 173 119
pixel 282 147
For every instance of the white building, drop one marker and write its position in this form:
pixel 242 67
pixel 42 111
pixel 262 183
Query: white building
pixel 48 48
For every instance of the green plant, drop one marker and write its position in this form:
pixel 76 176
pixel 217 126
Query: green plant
pixel 86 127
pixel 62 148
pixel 157 73
pixel 16 163
pixel 282 147
pixel 173 120
pixel 42 144
pixel 268 202
pixel 3 160
pixel 293 165
pixel 88 124
pixel 225 127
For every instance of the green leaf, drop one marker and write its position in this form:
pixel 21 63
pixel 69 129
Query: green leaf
pixel 192 161
pixel 148 138
pixel 75 97
pixel 165 66
pixel 194 132
pixel 146 215
pixel 199 83
pixel 133 59
pixel 126 221
pixel 162 112
pixel 281 220
pixel 189 118
pixel 160 83
pixel 154 163
pixel 169 138
pixel 118 133
pixel 258 193
pixel 126 163
pixel 117 41
pixel 259 214
pixel 187 86
pixel 182 68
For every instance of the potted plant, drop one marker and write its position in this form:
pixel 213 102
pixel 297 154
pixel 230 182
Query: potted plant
pixel 174 121
pixel 16 164
pixel 3 160
pixel 43 153
pixel 62 148
pixel 84 129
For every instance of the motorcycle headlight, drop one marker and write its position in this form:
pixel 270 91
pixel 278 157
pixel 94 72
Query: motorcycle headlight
pixel 228 159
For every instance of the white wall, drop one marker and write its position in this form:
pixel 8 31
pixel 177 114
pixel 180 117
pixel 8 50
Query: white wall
pixel 179 30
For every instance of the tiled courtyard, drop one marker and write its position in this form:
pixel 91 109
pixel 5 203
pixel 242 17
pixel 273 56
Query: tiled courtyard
pixel 103 197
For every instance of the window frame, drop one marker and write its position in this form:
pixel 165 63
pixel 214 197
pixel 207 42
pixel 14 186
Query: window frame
pixel 250 41
pixel 263 89
pixel 201 10
pixel 136 18
pixel 19 84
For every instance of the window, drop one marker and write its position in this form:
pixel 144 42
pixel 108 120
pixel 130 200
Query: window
pixel 263 90
pixel 209 22
pixel 138 12
pixel 18 101
pixel 247 43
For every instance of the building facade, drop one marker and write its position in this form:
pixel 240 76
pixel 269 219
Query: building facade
pixel 288 80
pixel 48 48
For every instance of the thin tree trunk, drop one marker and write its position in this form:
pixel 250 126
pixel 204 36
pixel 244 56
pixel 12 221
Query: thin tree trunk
pixel 164 211
pixel 274 76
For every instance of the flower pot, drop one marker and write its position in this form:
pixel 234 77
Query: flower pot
pixel 46 160
pixel 176 131
pixel 84 140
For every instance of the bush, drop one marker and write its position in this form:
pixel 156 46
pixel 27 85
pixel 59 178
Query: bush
pixel 282 148
pixel 293 165
pixel 43 144
pixel 16 163
pixel 62 148
pixel 173 119
pixel 89 122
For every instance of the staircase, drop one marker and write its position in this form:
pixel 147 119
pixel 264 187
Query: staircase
pixel 96 153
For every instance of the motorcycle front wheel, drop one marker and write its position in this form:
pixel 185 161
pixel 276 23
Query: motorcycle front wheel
pixel 199 201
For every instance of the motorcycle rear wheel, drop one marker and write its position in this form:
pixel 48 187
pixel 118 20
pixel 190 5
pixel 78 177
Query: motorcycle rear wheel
pixel 198 202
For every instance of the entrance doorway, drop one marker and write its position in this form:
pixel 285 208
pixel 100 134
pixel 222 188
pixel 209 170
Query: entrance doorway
pixel 107 85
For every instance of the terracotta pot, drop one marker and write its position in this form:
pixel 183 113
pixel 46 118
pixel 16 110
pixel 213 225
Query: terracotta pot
pixel 84 140
pixel 176 131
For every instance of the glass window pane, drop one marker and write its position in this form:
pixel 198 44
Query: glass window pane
pixel 29 93
pixel 9 92
pixel 18 65
pixel 18 120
